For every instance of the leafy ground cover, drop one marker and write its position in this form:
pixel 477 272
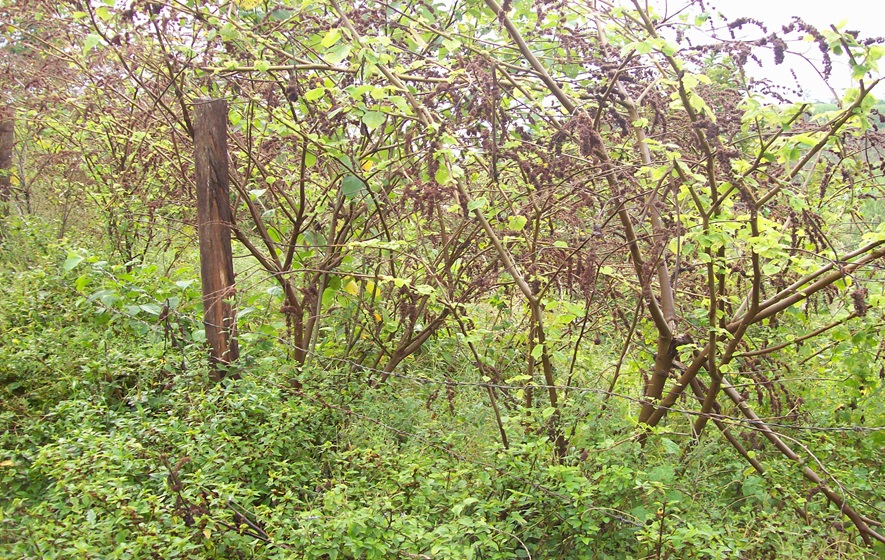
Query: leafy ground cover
pixel 519 280
pixel 115 444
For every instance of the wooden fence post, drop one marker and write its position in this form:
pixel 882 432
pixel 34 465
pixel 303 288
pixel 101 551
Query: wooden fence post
pixel 213 216
pixel 7 143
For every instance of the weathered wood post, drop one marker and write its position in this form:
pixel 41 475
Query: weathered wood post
pixel 7 143
pixel 213 217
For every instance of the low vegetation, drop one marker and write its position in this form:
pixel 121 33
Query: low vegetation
pixel 521 281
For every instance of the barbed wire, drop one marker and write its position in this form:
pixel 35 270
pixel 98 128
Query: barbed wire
pixel 460 456
pixel 449 382
pixel 758 425
pixel 577 388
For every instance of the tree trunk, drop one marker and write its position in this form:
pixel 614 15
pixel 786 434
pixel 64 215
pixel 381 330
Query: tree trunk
pixel 213 216
pixel 7 143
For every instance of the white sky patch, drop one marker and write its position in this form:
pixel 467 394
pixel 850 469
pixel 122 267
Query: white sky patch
pixel 865 16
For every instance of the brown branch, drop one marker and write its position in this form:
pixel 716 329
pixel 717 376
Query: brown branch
pixel 812 334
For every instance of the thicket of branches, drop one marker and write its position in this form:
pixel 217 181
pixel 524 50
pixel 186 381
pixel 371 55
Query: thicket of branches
pixel 534 180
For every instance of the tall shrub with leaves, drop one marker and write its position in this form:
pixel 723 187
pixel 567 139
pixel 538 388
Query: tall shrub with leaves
pixel 554 173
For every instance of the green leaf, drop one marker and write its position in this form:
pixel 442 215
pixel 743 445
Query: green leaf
pixel 337 54
pixel 424 289
pixel 643 47
pixel 669 48
pixel 103 13
pixel 352 185
pixel 670 447
pixel 228 32
pixel 477 204
pixel 357 92
pixel 770 268
pixel 379 93
pixel 451 45
pixel 374 119
pixel 538 351
pixel 858 71
pixel 274 234
pixel 90 42
pixel 331 38
pixel 329 295
pixel 71 262
pixel 281 14
pixel 516 223
pixel 442 175
pixel 151 308
pixel 262 65
pixel 314 94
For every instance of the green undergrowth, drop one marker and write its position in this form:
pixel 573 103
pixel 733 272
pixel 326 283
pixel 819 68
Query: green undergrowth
pixel 115 444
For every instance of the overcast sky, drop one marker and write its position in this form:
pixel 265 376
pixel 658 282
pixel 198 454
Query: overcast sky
pixel 859 13
pixel 865 16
